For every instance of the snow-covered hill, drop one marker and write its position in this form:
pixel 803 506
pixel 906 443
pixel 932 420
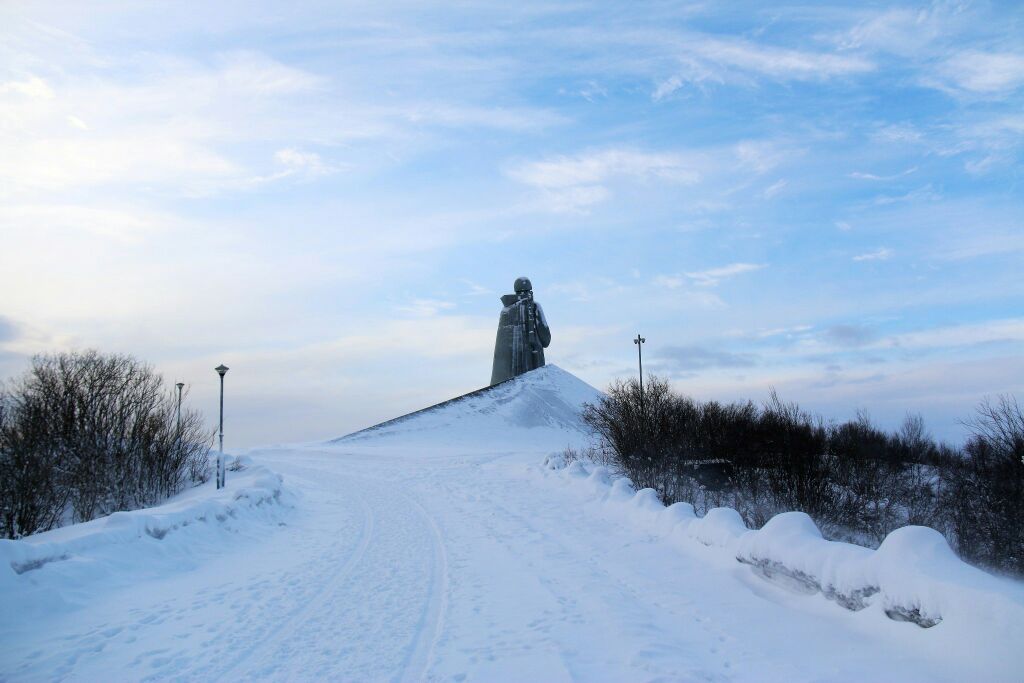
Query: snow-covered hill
pixel 539 409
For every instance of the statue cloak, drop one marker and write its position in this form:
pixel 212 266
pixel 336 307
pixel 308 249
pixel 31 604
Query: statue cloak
pixel 514 351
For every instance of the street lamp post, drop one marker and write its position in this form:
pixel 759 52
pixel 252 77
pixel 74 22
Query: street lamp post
pixel 640 357
pixel 643 413
pixel 180 385
pixel 221 370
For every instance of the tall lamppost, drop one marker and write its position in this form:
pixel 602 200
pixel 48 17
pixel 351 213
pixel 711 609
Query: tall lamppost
pixel 640 357
pixel 180 385
pixel 221 370
pixel 643 414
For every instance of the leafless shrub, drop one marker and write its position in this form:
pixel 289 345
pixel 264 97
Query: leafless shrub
pixel 987 488
pixel 857 481
pixel 86 434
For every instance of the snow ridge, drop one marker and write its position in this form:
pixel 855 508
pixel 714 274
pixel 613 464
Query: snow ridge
pixel 914 576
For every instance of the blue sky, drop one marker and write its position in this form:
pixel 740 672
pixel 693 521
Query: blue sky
pixel 329 198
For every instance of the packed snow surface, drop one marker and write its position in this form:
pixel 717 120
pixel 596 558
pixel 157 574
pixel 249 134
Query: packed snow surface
pixel 440 548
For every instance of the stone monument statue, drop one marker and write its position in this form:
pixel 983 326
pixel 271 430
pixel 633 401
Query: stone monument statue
pixel 523 334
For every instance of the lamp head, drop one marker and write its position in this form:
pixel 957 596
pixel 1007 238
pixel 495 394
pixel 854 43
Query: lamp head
pixel 221 369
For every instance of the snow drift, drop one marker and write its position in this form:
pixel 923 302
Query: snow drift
pixel 540 408
pixel 913 576
pixel 52 566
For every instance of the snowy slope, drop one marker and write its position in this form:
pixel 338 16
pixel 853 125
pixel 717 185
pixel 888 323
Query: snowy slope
pixel 540 408
pixel 436 548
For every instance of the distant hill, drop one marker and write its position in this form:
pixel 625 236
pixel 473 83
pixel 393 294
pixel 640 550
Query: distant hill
pixel 539 407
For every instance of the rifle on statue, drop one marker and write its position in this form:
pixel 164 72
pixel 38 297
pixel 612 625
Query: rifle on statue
pixel 531 327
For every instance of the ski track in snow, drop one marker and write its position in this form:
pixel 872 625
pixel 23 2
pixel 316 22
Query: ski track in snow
pixel 398 565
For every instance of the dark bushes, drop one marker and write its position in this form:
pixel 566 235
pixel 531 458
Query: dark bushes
pixel 988 487
pixel 857 481
pixel 85 434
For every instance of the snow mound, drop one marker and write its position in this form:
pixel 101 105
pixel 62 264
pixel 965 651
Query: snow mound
pixel 536 409
pixel 62 566
pixel 914 576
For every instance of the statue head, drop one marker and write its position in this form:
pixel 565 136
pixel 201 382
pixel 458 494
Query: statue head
pixel 522 285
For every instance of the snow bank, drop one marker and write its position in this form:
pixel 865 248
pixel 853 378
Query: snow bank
pixel 56 564
pixel 913 576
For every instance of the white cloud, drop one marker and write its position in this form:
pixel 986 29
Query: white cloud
pixel 992 331
pixel 575 182
pixel 666 88
pixel 707 278
pixel 307 162
pixel 898 132
pixel 254 73
pixel 759 156
pixel 774 189
pixel 463 115
pixel 596 167
pixel 172 127
pixel 781 63
pixel 984 73
pixel 670 281
pixel 77 122
pixel 925 194
pixel 702 58
pixel 33 87
pixel 711 277
pixel 899 31
pixel 881 254
pixel 860 175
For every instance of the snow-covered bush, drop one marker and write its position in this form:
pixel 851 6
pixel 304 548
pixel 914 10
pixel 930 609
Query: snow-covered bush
pixel 86 434
pixel 857 482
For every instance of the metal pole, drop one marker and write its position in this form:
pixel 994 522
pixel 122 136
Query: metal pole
pixel 640 357
pixel 179 385
pixel 221 370
pixel 220 455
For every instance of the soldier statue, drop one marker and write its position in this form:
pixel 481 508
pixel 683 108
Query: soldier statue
pixel 523 334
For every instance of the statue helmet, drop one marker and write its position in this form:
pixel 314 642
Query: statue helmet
pixel 522 285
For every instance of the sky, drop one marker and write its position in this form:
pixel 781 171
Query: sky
pixel 330 198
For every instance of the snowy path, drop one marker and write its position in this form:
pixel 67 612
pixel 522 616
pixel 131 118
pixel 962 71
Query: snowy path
pixel 407 566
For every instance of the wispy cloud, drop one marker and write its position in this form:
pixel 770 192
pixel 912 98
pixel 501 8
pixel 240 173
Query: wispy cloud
pixel 596 167
pixel 880 254
pixel 31 87
pixel 774 189
pixel 704 59
pixel 706 278
pixel 921 194
pixel 575 182
pixel 714 276
pixel 849 335
pixel 871 176
pixel 689 358
pixel 984 73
